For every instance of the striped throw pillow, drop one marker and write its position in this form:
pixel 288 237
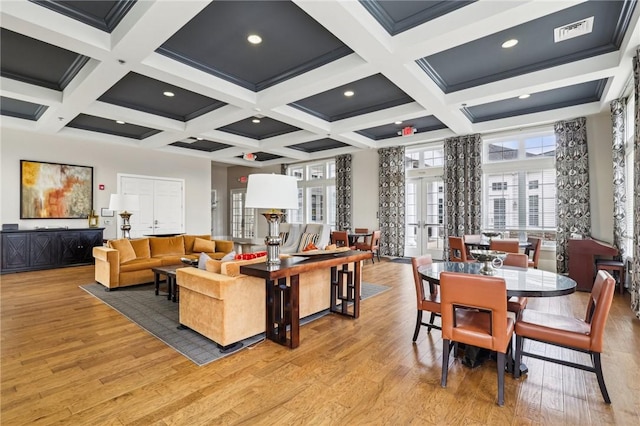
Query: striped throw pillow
pixel 306 239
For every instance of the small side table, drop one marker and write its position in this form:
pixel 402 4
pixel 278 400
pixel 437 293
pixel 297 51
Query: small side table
pixel 169 272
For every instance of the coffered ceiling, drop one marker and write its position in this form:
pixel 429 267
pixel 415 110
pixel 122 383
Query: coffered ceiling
pixel 182 77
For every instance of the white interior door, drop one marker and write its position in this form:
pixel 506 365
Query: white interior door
pixel 424 217
pixel 161 205
pixel 167 207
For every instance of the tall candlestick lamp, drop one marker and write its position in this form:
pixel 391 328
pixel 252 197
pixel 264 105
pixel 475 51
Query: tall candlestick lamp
pixel 275 193
pixel 126 204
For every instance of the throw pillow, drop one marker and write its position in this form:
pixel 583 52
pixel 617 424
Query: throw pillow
pixel 229 256
pixel 283 237
pixel 141 247
pixel 125 249
pixel 202 260
pixel 306 239
pixel 204 246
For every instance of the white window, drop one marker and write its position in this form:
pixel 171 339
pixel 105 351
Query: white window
pixel 519 177
pixel 316 193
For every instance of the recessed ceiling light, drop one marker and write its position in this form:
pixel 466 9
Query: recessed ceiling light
pixel 255 120
pixel 120 122
pixel 509 43
pixel 398 122
pixel 199 139
pixel 349 93
pixel 169 94
pixel 525 96
pixel 254 39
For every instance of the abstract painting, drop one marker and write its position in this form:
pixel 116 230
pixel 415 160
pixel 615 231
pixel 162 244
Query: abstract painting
pixel 55 191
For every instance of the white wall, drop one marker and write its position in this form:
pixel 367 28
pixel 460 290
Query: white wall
pixel 599 144
pixel 364 166
pixel 107 160
pixel 220 212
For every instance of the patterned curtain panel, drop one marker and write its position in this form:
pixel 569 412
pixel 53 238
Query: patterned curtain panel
pixel 619 187
pixel 343 191
pixel 572 181
pixel 635 276
pixel 462 186
pixel 391 200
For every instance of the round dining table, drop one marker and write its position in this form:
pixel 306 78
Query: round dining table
pixel 486 245
pixel 520 282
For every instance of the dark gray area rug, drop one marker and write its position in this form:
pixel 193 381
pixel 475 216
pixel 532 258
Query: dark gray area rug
pixel 160 317
pixel 402 260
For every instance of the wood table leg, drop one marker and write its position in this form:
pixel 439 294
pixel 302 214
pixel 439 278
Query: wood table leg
pixel 156 281
pixel 270 311
pixel 294 311
pixel 282 311
pixel 345 286
pixel 169 291
pixel 356 289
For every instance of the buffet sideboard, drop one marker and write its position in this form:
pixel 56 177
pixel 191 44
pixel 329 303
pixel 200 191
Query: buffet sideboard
pixel 34 249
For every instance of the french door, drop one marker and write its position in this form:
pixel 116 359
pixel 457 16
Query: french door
pixel 243 219
pixel 424 233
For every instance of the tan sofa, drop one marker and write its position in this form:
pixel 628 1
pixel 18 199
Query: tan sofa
pixel 129 262
pixel 227 307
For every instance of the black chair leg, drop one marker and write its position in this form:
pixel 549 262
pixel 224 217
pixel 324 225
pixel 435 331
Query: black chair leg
pixel 518 359
pixel 501 358
pixel 431 319
pixel 598 367
pixel 446 347
pixel 418 325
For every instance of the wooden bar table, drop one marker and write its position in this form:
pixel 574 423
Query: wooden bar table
pixel 282 290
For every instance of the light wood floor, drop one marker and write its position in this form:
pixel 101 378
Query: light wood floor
pixel 68 358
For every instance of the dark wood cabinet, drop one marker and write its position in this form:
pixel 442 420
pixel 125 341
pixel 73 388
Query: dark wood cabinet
pixel 29 250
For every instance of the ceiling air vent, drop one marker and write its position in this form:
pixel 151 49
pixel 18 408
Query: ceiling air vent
pixel 575 29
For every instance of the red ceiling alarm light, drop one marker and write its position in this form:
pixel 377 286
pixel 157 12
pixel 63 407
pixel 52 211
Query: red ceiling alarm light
pixel 249 156
pixel 407 131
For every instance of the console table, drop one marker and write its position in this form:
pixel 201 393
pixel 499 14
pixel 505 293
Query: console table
pixel 34 249
pixel 282 285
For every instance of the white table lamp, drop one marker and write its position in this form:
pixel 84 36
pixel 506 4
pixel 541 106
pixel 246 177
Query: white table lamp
pixel 276 193
pixel 126 204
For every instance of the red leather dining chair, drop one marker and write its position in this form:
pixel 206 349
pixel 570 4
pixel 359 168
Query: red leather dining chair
pixel 341 239
pixel 517 304
pixel 474 312
pixel 533 251
pixel 427 301
pixel 457 250
pixel 372 244
pixel 509 246
pixel 569 332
